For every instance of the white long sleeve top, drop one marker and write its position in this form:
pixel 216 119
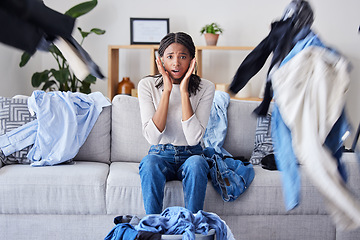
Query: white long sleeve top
pixel 176 132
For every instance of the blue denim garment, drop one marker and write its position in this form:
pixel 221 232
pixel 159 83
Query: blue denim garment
pixel 179 220
pixel 63 122
pixel 217 125
pixel 229 177
pixel 122 231
pixel 204 221
pixel 166 162
pixel 285 158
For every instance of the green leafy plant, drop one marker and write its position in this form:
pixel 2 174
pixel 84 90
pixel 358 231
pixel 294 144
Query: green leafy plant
pixel 211 28
pixel 62 78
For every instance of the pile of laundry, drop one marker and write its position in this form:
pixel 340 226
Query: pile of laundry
pixel 172 221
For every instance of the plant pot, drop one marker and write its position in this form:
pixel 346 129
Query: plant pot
pixel 211 39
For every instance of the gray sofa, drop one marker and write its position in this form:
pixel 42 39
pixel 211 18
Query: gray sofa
pixel 80 200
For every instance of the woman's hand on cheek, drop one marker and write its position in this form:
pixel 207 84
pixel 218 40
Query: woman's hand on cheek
pixel 166 78
pixel 185 82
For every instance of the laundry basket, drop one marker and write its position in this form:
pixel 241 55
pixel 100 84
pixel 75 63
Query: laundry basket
pixel 209 236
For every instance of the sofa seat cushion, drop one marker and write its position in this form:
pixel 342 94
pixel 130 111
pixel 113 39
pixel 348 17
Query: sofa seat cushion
pixel 77 188
pixel 124 190
pixel 265 194
pixel 263 197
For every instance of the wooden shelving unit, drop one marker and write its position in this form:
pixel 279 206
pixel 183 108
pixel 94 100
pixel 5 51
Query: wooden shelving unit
pixel 200 49
pixel 113 61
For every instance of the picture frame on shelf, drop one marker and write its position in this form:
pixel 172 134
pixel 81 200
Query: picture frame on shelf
pixel 148 30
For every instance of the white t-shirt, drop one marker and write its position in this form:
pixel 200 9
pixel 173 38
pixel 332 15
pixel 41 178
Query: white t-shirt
pixel 176 132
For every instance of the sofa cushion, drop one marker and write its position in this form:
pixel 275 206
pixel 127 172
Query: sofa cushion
pixel 77 188
pixel 239 140
pixel 97 145
pixel 127 142
pixel 13 114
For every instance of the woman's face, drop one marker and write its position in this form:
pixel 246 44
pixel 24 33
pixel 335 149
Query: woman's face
pixel 176 60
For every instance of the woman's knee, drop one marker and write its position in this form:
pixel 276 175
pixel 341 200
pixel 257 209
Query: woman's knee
pixel 151 164
pixel 196 164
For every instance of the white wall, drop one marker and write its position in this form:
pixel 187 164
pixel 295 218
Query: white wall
pixel 245 22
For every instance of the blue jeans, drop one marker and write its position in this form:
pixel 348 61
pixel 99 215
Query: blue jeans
pixel 167 163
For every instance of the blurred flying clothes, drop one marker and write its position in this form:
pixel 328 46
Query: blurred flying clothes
pixel 274 43
pixel 217 125
pixel 298 16
pixel 289 37
pixel 26 23
pixel 63 122
pixel 285 158
pixel 309 91
pixel 29 25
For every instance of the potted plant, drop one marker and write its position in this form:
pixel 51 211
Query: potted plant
pixel 211 33
pixel 62 78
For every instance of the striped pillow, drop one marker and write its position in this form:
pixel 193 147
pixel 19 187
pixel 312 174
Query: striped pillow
pixel 13 114
pixel 263 142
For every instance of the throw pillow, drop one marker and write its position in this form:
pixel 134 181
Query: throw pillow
pixel 263 142
pixel 13 114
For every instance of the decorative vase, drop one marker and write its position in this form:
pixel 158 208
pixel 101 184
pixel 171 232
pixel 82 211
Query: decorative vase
pixel 211 39
pixel 125 86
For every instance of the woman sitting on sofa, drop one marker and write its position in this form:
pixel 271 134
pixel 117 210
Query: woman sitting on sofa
pixel 175 107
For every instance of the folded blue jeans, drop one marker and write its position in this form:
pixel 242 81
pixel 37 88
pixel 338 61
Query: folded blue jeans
pixel 166 162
